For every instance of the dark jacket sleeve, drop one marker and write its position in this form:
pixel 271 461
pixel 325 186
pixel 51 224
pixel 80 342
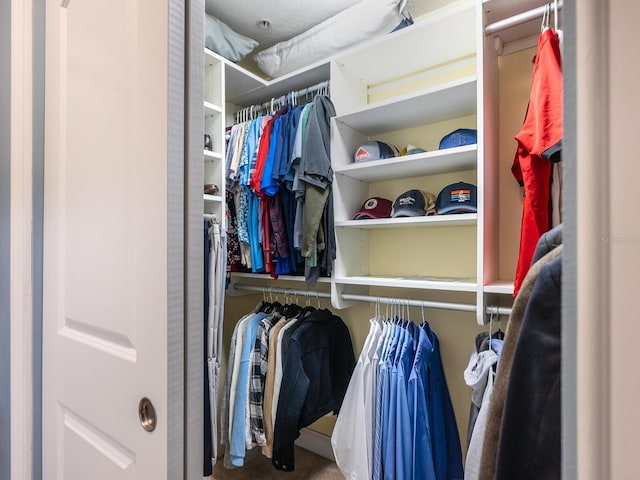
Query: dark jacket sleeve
pixel 293 392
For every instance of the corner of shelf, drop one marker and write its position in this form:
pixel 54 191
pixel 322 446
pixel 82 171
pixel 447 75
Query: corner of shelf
pixel 501 287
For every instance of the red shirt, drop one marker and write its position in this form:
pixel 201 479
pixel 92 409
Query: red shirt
pixel 542 130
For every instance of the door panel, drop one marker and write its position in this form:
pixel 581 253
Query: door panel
pixel 106 254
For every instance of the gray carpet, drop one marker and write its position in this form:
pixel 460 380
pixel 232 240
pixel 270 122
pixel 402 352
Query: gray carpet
pixel 308 466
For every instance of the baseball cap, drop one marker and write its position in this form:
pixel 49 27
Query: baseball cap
pixel 458 138
pixel 460 197
pixel 414 203
pixel 375 150
pixel 411 150
pixel 374 207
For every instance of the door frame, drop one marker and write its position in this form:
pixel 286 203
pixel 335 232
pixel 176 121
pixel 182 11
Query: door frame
pixel 597 448
pixel 26 164
pixel 21 216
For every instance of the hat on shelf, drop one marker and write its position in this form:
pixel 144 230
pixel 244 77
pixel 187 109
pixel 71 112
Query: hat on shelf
pixel 459 137
pixel 211 189
pixel 412 150
pixel 375 150
pixel 414 203
pixel 460 197
pixel 374 207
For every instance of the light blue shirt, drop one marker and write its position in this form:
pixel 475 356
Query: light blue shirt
pixel 389 405
pixel 402 426
pixel 422 458
pixel 445 440
pixel 237 447
pixel 381 380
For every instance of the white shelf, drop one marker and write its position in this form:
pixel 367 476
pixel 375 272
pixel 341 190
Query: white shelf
pixel 266 276
pixel 447 101
pixel 422 283
pixel 211 109
pixel 459 220
pixel 209 155
pixel 245 88
pixel 415 48
pixel 429 163
pixel 503 287
pixel 212 198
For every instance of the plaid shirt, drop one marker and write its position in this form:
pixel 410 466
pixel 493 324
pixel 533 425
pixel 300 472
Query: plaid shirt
pixel 259 363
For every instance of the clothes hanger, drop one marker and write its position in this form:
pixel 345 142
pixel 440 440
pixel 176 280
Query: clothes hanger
pixel 499 335
pixel 545 18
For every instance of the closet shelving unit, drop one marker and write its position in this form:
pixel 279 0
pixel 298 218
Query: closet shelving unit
pixel 411 98
pixel 411 86
pixel 214 124
pixel 241 88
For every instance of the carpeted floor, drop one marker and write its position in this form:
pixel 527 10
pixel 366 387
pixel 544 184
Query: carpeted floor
pixel 309 466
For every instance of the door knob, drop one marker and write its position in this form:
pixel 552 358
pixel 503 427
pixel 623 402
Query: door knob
pixel 147 414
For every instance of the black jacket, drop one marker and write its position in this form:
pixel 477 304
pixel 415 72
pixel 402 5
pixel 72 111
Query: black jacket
pixel 316 372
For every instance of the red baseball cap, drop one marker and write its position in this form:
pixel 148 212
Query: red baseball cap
pixel 374 207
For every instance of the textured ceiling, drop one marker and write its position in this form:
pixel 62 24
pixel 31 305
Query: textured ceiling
pixel 289 17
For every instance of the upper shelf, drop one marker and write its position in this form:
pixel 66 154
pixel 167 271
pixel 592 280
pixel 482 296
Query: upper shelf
pixel 443 102
pixel 444 35
pixel 245 88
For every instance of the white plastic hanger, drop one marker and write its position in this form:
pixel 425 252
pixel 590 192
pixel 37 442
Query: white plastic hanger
pixel 545 18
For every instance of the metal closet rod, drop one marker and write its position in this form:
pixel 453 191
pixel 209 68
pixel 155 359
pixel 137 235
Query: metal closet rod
pixel 461 307
pixel 277 102
pixel 518 19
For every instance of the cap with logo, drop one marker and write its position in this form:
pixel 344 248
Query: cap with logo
pixel 414 203
pixel 460 197
pixel 374 207
pixel 458 138
pixel 375 150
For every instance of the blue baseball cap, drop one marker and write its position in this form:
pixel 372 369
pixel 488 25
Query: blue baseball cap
pixel 460 197
pixel 458 138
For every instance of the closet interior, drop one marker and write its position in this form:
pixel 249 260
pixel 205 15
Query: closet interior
pixel 466 65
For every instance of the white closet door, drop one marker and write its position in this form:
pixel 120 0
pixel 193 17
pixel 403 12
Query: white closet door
pixel 107 256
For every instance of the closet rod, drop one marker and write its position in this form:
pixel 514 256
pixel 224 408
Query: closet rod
pixel 318 87
pixel 461 307
pixel 517 19
pixel 493 310
pixel 284 291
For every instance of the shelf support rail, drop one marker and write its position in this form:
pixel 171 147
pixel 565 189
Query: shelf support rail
pixel 518 19
pixel 461 307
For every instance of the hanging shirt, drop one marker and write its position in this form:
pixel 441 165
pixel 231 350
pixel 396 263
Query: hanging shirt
pixel 381 380
pixel 445 440
pixel 422 456
pixel 259 365
pixel 230 387
pixel 238 427
pixel 538 139
pixel 404 440
pixel 352 434
pixel 267 450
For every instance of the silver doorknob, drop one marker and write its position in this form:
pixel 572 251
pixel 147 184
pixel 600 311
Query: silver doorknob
pixel 147 414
